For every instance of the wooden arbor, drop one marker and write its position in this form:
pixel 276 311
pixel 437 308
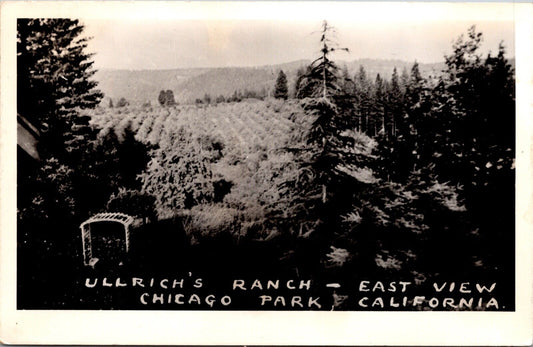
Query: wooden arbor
pixel 101 219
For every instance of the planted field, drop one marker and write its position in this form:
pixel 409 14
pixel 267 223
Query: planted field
pixel 219 164
pixel 242 126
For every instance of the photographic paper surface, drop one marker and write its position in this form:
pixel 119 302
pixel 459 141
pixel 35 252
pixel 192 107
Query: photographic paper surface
pixel 275 173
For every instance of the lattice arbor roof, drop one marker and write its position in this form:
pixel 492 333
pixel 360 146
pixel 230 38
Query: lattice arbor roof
pixel 113 217
pixel 110 217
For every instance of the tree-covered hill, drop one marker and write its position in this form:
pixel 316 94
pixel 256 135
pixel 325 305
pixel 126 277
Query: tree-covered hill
pixel 191 84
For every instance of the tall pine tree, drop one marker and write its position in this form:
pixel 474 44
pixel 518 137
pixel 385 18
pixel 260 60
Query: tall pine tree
pixel 480 146
pixel 395 104
pixel 363 99
pixel 322 83
pixel 281 90
pixel 53 86
pixel 54 81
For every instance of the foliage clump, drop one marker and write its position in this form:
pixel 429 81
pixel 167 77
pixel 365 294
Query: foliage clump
pixel 281 90
pixel 166 98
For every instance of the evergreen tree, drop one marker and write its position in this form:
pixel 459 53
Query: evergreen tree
pixel 463 133
pixel 363 99
pixel 348 84
pixel 415 126
pixel 322 76
pixel 302 89
pixel 323 86
pixel 297 81
pixel 411 126
pixel 346 101
pixel 389 141
pixel 395 102
pixel 54 86
pixel 414 86
pixel 281 90
pixel 324 164
pixel 377 119
pixel 54 80
pixel 480 123
pixel 404 79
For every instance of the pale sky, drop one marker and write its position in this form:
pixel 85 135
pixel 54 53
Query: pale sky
pixel 150 43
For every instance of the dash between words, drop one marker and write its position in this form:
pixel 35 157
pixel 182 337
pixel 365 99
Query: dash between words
pixel 369 294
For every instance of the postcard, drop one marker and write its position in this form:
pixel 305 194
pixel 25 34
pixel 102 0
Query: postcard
pixel 327 173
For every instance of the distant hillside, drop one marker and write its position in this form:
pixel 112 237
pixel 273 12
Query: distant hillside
pixel 224 81
pixel 191 84
pixel 142 85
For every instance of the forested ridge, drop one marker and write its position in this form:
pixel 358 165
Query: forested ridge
pixel 348 175
pixel 191 84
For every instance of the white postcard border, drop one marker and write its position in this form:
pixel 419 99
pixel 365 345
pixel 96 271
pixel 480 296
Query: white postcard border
pixel 260 327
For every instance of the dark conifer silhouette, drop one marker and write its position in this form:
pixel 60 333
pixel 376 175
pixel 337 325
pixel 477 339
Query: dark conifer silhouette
pixel 281 90
pixel 54 80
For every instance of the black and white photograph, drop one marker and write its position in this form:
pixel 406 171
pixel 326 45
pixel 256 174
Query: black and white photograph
pixel 351 157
